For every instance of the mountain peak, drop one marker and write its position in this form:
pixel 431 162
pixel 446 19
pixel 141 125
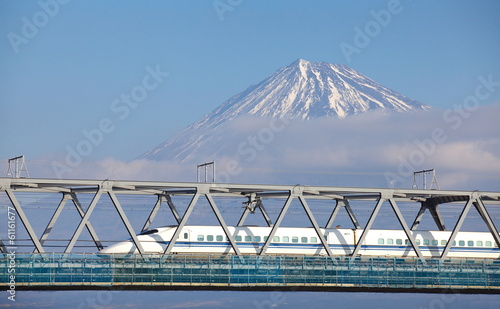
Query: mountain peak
pixel 309 90
pixel 316 65
pixel 299 61
pixel 302 90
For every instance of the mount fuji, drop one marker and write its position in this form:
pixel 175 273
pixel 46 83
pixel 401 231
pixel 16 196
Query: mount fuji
pixel 302 90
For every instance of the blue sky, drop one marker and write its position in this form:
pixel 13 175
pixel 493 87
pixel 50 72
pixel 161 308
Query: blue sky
pixel 62 77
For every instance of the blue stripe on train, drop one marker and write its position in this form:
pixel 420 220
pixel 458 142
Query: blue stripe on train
pixel 334 246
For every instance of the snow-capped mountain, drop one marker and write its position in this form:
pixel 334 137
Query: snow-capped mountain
pixel 302 90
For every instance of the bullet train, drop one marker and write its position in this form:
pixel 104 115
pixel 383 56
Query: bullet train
pixel 305 241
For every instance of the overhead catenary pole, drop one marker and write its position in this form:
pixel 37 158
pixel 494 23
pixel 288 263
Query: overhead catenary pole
pixel 424 174
pixel 204 167
pixel 17 166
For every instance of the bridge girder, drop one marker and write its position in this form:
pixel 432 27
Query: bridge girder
pixel 340 197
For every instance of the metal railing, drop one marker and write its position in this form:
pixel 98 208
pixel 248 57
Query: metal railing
pixel 58 270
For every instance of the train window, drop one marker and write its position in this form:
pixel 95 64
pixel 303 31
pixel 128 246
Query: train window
pixel 390 241
pixel 399 241
pixel 200 238
pixel 303 240
pixel 487 243
pixel 218 237
pixel 380 241
pixel 185 235
pixel 153 231
pixel 443 242
pixel 454 243
pixel 417 241
pixel 238 238
pixel 426 242
pixel 434 242
pixel 470 243
pixel 248 238
pixel 256 239
pixel 314 239
pixel 461 243
pixel 276 239
pixel 210 237
pixel 265 238
pixel 295 239
pixel 286 239
pixel 479 243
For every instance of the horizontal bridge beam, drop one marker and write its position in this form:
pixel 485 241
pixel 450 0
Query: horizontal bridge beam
pixel 219 189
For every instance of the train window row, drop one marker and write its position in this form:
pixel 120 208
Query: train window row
pixel 435 242
pixel 248 238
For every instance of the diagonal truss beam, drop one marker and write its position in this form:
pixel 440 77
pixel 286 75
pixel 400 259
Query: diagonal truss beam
pixel 310 215
pixel 223 224
pixel 172 207
pixel 125 221
pixel 367 227
pixel 66 197
pixel 154 211
pixel 181 225
pixel 339 204
pixel 334 214
pixel 481 208
pixel 152 214
pixel 24 220
pixel 264 213
pixel 419 216
pixel 54 218
pixel 89 226
pixel 405 228
pixel 353 218
pixel 248 209
pixel 3 249
pixel 436 215
pixel 401 220
pixel 277 224
pixel 457 227
pixel 243 217
pixel 84 221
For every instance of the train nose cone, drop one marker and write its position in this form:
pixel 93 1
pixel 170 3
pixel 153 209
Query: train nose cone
pixel 125 247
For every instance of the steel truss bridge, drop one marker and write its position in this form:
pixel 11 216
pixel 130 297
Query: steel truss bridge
pixel 484 277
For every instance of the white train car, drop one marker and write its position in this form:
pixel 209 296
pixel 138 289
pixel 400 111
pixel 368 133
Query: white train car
pixel 305 241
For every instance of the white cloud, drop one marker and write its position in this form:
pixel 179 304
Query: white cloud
pixel 472 156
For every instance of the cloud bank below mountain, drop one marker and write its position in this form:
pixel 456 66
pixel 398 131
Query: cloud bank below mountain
pixel 373 149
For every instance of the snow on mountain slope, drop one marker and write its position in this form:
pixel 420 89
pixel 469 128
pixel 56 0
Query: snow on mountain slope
pixel 302 90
